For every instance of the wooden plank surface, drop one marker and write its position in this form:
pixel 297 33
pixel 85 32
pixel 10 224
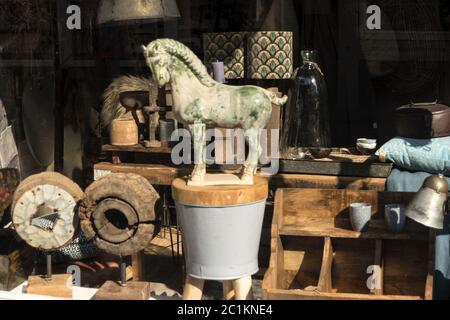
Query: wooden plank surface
pixel 134 290
pixel 60 285
pixel 279 294
pixel 430 276
pixel 325 278
pixel 379 262
pixel 341 162
pixel 137 263
pixel 222 195
pixel 325 213
pixel 164 175
pixel 339 168
pixel 321 203
pixel 137 148
pixel 326 227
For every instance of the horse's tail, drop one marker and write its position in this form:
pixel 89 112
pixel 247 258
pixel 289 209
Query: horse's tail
pixel 275 99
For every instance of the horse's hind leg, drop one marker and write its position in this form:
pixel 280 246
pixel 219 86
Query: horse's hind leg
pixel 198 131
pixel 251 164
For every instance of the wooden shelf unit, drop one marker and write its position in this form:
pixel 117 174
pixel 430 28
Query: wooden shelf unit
pixel 316 255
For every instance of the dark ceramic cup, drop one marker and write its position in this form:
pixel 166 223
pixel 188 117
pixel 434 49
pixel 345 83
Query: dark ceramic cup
pixel 394 215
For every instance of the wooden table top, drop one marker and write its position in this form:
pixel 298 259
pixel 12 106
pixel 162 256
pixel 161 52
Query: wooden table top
pixel 225 195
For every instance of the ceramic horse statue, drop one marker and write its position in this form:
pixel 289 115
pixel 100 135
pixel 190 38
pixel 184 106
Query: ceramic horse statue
pixel 199 101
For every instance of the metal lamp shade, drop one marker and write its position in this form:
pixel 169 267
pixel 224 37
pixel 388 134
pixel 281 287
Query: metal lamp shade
pixel 428 205
pixel 123 11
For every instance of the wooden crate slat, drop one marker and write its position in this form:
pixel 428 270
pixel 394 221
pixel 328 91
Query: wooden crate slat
pixel 279 294
pixel 338 164
pixel 315 227
pixel 137 148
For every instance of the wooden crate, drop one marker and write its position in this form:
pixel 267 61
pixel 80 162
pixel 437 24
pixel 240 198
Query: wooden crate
pixel 316 255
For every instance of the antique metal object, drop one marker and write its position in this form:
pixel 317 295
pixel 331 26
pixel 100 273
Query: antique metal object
pixel 423 120
pixel 146 101
pixel 166 128
pixel 199 101
pixel 123 11
pixel 428 205
pixel 43 210
pixel 118 213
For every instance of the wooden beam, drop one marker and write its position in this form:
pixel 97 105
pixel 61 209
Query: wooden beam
pixel 243 288
pixel 137 263
pixel 193 289
pixel 379 261
pixel 228 290
pixel 158 174
pixel 278 294
pixel 430 277
pixel 325 277
pixel 276 246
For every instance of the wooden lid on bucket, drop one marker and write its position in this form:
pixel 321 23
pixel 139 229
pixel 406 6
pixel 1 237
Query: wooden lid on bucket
pixel 221 195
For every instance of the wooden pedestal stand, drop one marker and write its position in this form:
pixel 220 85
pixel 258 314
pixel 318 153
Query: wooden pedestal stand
pixel 58 285
pixel 123 290
pixel 209 198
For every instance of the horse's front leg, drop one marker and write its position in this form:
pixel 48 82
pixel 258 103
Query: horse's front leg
pixel 198 131
pixel 251 164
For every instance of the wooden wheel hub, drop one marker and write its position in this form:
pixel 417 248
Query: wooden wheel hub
pixel 118 213
pixel 115 220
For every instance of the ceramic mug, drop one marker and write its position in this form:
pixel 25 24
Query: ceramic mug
pixel 360 215
pixel 394 215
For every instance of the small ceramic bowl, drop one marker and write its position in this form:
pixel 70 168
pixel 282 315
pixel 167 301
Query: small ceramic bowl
pixel 320 153
pixel 366 146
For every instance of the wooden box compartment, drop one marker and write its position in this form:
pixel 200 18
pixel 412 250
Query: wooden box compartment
pixel 318 256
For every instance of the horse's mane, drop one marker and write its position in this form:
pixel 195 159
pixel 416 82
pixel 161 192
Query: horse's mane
pixel 185 54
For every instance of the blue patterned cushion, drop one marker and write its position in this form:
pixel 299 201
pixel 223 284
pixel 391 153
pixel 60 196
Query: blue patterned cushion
pixel 431 155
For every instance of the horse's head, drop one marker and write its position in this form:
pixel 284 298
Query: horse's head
pixel 158 60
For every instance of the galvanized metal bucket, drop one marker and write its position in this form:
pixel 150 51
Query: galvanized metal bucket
pixel 221 243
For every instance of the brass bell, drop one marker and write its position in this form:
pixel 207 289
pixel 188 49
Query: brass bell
pixel 428 205
pixel 122 11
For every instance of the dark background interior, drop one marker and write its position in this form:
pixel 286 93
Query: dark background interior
pixel 368 75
